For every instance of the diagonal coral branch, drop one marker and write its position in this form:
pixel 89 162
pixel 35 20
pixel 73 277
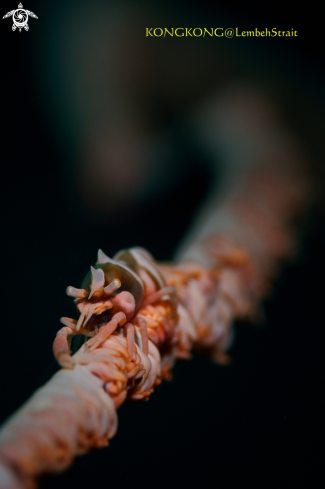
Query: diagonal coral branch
pixel 150 316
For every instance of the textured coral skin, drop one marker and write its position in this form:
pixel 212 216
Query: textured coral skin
pixel 139 317
pixel 76 410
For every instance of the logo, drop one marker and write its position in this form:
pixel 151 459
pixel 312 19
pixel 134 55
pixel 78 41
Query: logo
pixel 20 18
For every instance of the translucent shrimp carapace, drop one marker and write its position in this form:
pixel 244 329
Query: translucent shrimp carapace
pixel 114 269
pixel 143 264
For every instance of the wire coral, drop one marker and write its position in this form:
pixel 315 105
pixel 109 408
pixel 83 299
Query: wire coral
pixel 138 317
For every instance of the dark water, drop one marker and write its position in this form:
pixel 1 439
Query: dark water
pixel 258 422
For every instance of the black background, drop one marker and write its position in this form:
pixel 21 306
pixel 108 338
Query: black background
pixel 259 421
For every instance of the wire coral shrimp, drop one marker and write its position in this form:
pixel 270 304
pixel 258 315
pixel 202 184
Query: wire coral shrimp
pixel 118 294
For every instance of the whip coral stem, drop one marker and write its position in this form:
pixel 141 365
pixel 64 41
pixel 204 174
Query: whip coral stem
pixel 155 315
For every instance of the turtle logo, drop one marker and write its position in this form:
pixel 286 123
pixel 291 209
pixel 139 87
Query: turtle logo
pixel 20 18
